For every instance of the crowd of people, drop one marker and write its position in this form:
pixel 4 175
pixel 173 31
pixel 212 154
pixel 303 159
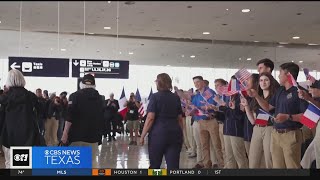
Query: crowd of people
pixel 256 127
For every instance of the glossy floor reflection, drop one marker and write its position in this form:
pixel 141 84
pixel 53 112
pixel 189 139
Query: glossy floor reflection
pixel 119 155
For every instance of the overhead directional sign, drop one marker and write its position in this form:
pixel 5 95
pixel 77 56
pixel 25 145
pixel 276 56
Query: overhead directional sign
pixel 41 67
pixel 100 68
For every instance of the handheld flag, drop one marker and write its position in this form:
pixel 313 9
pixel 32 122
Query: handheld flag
pixel 243 75
pixel 262 118
pixel 308 76
pixel 311 116
pixel 291 80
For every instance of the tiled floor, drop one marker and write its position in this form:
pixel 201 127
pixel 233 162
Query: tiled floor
pixel 118 154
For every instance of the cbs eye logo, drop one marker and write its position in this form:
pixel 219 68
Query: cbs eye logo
pixel 20 157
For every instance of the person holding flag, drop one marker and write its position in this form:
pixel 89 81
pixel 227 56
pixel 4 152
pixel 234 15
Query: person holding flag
pixel 208 127
pixel 286 136
pixel 260 141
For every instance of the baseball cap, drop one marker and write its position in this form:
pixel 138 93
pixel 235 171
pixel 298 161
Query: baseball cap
pixel 88 79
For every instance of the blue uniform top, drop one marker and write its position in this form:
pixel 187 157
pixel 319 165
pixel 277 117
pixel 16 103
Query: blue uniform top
pixel 167 107
pixel 198 100
pixel 288 102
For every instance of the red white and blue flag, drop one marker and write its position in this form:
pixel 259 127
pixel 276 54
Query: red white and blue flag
pixel 243 75
pixel 207 94
pixel 143 108
pixel 291 80
pixel 122 101
pixel 308 76
pixel 262 118
pixel 311 116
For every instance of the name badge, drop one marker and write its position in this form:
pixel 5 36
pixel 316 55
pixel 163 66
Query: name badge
pixel 289 96
pixel 131 111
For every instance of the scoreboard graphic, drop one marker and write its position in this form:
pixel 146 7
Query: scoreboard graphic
pixel 77 161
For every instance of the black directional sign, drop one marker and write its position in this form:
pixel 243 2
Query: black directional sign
pixel 100 68
pixel 41 67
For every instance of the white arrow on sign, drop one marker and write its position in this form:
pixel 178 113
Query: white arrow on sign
pixel 14 66
pixel 76 63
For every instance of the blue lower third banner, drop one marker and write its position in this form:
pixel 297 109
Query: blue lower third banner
pixel 61 160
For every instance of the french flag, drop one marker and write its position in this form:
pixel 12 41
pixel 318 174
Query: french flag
pixel 311 116
pixel 262 118
pixel 123 110
pixel 291 80
pixel 233 87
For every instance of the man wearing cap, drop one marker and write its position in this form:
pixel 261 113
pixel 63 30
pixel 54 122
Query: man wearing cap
pixel 84 123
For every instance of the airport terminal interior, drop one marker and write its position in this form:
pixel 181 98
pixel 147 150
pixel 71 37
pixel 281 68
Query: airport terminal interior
pixel 134 41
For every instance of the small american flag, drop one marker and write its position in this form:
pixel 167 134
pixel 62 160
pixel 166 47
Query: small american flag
pixel 308 76
pixel 243 75
pixel 207 94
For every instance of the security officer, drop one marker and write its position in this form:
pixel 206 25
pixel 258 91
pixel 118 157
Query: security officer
pixel 84 123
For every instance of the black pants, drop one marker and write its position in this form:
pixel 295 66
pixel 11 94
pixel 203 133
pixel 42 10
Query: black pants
pixel 111 127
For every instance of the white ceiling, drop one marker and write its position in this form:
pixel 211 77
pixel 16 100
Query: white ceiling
pixel 168 30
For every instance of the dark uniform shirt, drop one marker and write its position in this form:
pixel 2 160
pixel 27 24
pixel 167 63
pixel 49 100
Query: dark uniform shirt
pixel 167 108
pixel 288 102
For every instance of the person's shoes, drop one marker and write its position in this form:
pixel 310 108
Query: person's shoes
pixel 131 143
pixel 113 138
pixel 198 166
pixel 192 155
pixel 135 143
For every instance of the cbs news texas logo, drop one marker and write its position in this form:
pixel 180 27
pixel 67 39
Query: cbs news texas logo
pixel 51 157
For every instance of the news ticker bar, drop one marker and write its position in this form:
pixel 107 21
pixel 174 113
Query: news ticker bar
pixel 159 172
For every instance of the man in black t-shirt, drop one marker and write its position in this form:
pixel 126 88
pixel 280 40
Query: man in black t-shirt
pixel 84 123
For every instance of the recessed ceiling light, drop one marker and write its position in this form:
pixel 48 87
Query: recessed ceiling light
pixel 51 49
pixel 239 59
pixel 300 61
pixel 283 43
pixel 249 59
pixel 90 33
pixel 256 41
pixel 63 50
pixel 106 27
pixel 292 61
pixel 227 9
pixel 312 44
pixel 109 2
pixel 280 46
pixel 120 52
pixel 168 65
pixel 182 55
pixel 192 56
pixel 245 10
pixel 206 33
pixel 295 37
pixel 130 52
pixel 0 22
